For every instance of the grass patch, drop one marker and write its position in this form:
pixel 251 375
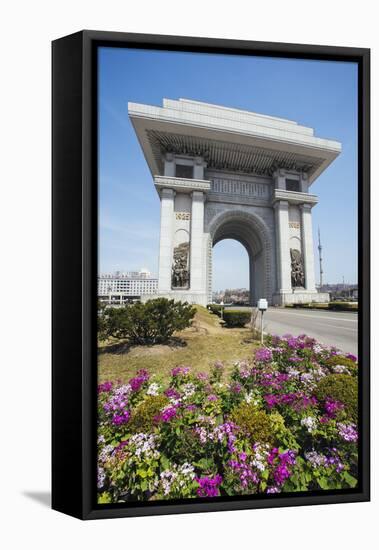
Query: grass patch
pixel 199 346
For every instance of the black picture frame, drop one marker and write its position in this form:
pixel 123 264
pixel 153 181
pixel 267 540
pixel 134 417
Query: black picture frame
pixel 74 269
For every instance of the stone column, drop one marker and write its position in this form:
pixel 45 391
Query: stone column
pixel 307 246
pixel 166 240
pixel 198 168
pixel 197 237
pixel 304 183
pixel 279 179
pixel 282 247
pixel 169 165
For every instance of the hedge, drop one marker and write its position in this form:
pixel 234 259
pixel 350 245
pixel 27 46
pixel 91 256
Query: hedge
pixel 236 318
pixel 343 306
pixel 215 308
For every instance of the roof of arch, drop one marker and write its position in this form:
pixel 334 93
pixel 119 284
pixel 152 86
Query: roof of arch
pixel 229 139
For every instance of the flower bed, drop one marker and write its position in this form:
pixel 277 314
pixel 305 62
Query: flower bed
pixel 285 421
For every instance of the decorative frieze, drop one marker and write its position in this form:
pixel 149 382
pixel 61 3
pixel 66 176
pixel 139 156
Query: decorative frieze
pixel 231 186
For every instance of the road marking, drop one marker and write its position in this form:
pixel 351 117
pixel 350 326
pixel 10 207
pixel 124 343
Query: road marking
pixel 341 328
pixel 319 325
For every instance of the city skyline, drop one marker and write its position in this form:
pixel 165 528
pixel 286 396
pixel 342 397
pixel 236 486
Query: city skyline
pixel 319 94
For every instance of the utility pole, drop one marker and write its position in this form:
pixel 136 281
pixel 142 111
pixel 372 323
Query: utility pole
pixel 320 256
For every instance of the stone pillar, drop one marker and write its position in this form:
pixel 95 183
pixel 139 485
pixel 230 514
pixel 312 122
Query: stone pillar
pixel 304 183
pixel 307 246
pixel 169 165
pixel 166 240
pixel 279 179
pixel 197 282
pixel 282 247
pixel 198 168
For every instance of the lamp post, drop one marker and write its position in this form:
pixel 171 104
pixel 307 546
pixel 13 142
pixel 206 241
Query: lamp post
pixel 262 305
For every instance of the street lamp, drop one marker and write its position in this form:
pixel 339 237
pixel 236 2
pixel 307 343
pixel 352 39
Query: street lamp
pixel 262 305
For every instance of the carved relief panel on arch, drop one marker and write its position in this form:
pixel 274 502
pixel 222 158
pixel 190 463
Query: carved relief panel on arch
pixel 180 273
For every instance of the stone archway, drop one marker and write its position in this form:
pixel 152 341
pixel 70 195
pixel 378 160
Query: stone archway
pixel 252 232
pixel 222 172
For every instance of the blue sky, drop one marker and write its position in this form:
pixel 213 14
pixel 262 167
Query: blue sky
pixel 320 94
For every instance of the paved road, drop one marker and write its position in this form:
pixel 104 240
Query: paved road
pixel 332 328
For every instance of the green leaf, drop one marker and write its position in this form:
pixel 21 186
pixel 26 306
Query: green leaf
pixel 350 480
pixel 265 474
pixel 104 498
pixel 165 462
pixel 323 482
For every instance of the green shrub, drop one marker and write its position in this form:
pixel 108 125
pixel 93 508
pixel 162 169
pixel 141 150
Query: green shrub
pixel 215 308
pixel 341 360
pixel 185 448
pixel 143 416
pixel 235 318
pixel 343 306
pixel 343 388
pixel 256 424
pixel 153 322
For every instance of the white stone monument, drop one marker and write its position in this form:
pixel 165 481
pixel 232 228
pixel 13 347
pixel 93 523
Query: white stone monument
pixel 224 173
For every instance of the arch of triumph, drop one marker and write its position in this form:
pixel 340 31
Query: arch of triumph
pixel 224 173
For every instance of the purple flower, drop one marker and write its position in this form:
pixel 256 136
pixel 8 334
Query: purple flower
pixel 332 407
pixel 236 387
pixel 172 393
pixel 166 414
pixel 348 432
pixel 137 382
pixel 271 400
pixel 180 371
pixel 118 403
pixel 105 387
pixel 281 473
pixel 119 419
pixel 263 355
pixel 272 490
pixel 288 457
pixel 218 365
pixel 244 471
pixel 294 343
pixel 209 487
pixel 352 357
pixel 120 446
pixel 212 397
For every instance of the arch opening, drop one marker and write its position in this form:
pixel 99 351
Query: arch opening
pixel 231 272
pixel 251 233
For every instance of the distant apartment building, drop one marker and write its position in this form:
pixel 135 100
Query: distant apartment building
pixel 119 288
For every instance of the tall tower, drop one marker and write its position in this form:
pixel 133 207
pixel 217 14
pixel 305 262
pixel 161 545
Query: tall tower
pixel 320 256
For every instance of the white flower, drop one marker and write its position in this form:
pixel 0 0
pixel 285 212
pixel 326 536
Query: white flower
pixel 308 380
pixel 153 389
pixel 100 477
pixel 341 369
pixel 310 422
pixel 188 390
pixel 293 373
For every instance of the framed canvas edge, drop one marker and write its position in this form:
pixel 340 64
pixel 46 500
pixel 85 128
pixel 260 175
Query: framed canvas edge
pixel 84 496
